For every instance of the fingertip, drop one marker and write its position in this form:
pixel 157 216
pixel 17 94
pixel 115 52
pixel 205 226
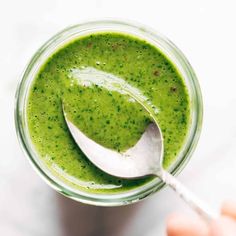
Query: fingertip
pixel 180 225
pixel 175 224
pixel 229 209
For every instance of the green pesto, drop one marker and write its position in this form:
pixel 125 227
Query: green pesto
pixel 108 117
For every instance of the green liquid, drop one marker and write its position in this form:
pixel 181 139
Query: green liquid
pixel 108 116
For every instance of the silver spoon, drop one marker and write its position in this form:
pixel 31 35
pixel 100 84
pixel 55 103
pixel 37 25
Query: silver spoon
pixel 143 159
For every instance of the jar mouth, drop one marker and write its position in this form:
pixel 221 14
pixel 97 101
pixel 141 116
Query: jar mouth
pixel 140 31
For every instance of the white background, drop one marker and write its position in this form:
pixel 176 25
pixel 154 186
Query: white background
pixel 204 30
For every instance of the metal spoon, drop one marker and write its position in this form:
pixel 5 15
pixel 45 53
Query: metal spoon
pixel 143 159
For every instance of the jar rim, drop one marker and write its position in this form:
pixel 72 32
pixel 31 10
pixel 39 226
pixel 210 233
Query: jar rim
pixel 108 25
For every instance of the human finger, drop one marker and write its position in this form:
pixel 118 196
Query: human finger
pixel 229 209
pixel 179 225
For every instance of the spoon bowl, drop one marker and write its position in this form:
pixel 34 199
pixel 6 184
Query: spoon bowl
pixel 143 159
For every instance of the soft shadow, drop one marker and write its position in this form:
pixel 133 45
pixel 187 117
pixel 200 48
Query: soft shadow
pixel 85 220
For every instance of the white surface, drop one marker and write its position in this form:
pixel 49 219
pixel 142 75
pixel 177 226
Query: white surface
pixel 204 30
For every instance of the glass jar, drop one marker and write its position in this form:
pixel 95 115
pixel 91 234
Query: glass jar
pixel 154 38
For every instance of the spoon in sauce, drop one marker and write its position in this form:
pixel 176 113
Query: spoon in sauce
pixel 145 158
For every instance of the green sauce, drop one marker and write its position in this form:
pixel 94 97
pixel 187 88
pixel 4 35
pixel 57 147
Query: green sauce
pixel 108 116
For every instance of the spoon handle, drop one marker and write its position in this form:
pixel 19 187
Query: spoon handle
pixel 196 204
